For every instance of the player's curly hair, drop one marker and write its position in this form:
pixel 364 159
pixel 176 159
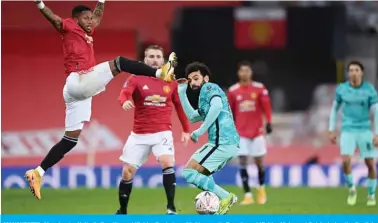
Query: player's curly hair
pixel 356 63
pixel 79 9
pixel 197 66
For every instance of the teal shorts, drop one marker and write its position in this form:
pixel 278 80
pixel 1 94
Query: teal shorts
pixel 363 140
pixel 214 158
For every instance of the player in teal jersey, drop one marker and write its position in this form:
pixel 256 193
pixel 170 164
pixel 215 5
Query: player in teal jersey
pixel 356 98
pixel 223 145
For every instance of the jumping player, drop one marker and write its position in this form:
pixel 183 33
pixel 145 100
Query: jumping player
pixel 84 79
pixel 356 98
pixel 223 145
pixel 151 133
pixel 249 101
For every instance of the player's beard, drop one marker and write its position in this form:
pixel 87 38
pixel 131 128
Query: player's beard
pixel 193 96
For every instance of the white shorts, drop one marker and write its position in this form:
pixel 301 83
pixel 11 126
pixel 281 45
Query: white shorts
pixel 139 146
pixel 252 147
pixel 78 92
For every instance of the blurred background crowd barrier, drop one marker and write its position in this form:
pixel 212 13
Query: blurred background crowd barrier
pixel 299 50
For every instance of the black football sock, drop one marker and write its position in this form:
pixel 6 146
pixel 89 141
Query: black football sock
pixel 169 182
pixel 58 151
pixel 244 176
pixel 261 176
pixel 134 67
pixel 124 191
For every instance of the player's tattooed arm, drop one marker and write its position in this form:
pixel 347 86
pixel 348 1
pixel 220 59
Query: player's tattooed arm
pixel 97 13
pixel 55 20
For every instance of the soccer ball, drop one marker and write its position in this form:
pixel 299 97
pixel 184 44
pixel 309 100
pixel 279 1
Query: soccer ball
pixel 206 203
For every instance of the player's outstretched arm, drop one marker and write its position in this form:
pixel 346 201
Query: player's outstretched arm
pixel 214 111
pixel 55 20
pixel 180 112
pixel 193 115
pixel 98 12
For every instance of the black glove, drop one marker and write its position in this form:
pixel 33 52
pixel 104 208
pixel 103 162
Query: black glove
pixel 268 128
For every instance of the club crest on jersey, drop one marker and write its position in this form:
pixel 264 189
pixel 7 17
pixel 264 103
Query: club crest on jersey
pixel 239 97
pixel 253 95
pixel 166 89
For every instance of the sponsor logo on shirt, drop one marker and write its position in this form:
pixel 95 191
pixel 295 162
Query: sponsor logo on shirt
pixel 247 106
pixel 155 100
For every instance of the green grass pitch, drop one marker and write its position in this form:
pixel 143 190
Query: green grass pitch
pixel 152 201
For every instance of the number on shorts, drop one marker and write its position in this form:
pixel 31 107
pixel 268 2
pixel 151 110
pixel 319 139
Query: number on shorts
pixel 165 142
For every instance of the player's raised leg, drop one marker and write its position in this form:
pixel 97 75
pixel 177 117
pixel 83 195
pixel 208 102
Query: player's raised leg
pixel 95 81
pixel 347 146
pixel 122 64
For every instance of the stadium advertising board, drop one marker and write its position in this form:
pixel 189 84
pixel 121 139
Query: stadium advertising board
pixel 109 176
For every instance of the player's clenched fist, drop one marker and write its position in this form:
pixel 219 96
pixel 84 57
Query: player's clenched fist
pixel 332 137
pixel 127 105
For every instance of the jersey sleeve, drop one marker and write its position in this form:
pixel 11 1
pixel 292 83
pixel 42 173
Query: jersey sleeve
pixel 265 102
pixel 180 111
pixel 338 97
pixel 127 89
pixel 212 91
pixel 373 97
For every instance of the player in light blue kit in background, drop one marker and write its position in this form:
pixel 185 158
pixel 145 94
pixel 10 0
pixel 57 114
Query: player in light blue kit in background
pixel 223 145
pixel 356 98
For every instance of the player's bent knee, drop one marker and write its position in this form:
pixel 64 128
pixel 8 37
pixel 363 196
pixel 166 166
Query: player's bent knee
pixel 166 161
pixel 346 159
pixel 243 160
pixel 74 133
pixel 128 172
pixel 189 175
pixel 370 164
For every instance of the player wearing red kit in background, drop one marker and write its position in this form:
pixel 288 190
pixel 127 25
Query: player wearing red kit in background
pixel 153 100
pixel 249 101
pixel 84 79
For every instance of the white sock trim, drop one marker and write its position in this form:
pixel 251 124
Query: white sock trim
pixel 41 5
pixel 40 171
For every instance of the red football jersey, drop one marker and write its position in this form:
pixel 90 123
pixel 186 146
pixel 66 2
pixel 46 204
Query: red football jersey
pixel 248 104
pixel 77 47
pixel 153 99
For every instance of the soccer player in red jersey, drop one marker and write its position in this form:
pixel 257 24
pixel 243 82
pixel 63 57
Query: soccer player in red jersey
pixel 151 132
pixel 249 101
pixel 84 78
